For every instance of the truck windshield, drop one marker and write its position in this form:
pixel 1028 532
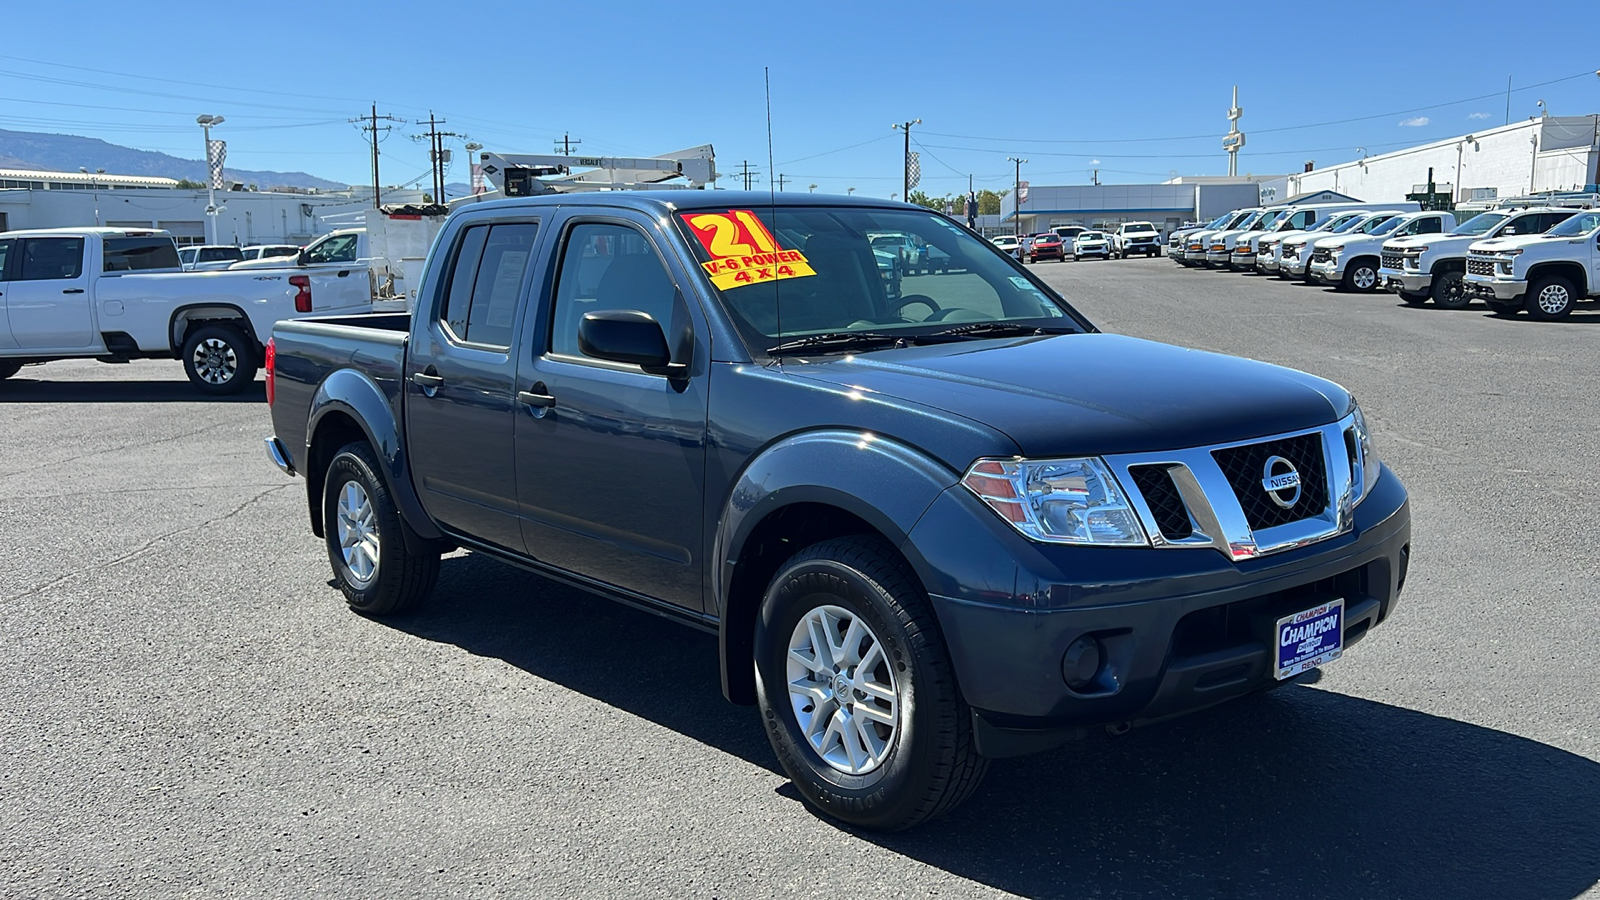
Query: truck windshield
pixel 1266 220
pixel 800 271
pixel 1379 225
pixel 1348 224
pixel 1480 224
pixel 1576 226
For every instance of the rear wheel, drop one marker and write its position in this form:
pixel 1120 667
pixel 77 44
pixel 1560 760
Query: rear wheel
pixel 219 359
pixel 373 566
pixel 857 691
pixel 1450 291
pixel 1551 298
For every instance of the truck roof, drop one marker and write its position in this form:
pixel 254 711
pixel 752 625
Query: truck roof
pixel 665 201
pixel 78 232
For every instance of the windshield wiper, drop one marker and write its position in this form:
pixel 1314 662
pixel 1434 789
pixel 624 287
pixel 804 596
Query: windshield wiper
pixel 838 340
pixel 994 329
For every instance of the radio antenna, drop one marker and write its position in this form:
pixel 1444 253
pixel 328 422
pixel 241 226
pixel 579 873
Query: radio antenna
pixel 772 206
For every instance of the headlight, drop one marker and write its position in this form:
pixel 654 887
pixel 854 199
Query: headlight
pixel 1366 458
pixel 1059 501
pixel 1510 253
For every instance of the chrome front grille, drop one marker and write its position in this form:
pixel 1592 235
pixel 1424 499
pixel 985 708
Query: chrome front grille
pixel 1291 251
pixel 1320 255
pixel 1476 266
pixel 1393 260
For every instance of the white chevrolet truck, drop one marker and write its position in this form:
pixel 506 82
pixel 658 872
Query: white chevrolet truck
pixel 1434 267
pixel 1351 261
pixel 1546 274
pixel 116 295
pixel 1198 243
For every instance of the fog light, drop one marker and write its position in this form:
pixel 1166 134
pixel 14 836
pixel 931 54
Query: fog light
pixel 1081 663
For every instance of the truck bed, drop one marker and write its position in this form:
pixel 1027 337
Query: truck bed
pixel 370 348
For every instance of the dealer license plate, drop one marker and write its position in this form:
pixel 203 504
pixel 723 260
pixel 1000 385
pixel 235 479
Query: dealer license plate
pixel 1310 638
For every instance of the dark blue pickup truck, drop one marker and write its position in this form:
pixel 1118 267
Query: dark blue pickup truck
pixel 930 525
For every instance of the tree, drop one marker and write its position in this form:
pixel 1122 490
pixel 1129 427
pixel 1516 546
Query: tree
pixel 921 199
pixel 186 184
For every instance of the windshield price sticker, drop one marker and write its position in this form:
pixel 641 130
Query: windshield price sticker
pixel 742 250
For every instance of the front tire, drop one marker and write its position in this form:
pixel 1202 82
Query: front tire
pixel 1450 291
pixel 1550 298
pixel 1360 276
pixel 367 541
pixel 219 359
pixel 857 691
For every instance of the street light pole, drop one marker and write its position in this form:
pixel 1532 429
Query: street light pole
pixel 205 122
pixel 1016 197
pixel 906 127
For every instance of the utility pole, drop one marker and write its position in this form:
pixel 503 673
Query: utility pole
pixel 746 173
pixel 437 155
pixel 906 127
pixel 1096 177
pixel 372 128
pixel 565 144
pixel 1016 198
pixel 782 179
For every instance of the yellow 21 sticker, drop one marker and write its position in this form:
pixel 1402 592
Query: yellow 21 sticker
pixel 742 250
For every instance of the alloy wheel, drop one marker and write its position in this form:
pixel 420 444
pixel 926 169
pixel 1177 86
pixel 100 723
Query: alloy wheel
pixel 358 533
pixel 1554 298
pixel 842 690
pixel 214 361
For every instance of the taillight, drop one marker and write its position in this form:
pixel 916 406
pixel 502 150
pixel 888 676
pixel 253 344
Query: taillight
pixel 302 299
pixel 271 362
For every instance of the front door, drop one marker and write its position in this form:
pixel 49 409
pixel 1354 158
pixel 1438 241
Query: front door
pixel 47 299
pixel 460 372
pixel 610 459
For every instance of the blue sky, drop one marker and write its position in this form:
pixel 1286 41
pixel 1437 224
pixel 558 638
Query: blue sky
pixel 1138 90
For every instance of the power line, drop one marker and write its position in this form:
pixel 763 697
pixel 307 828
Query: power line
pixel 747 173
pixel 564 144
pixel 373 128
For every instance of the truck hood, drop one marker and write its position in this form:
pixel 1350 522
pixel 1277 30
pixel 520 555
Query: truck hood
pixel 1352 241
pixel 1431 241
pixel 1495 245
pixel 1092 394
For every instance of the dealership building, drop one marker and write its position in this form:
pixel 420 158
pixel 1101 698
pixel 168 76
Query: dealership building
pixel 1106 206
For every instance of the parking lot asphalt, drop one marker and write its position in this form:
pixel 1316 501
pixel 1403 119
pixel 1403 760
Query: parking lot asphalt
pixel 187 709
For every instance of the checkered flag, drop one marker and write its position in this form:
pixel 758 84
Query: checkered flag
pixel 913 169
pixel 216 153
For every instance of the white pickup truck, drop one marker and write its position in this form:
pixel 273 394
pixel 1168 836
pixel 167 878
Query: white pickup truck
pixel 1544 273
pixel 1350 262
pixel 1435 266
pixel 116 294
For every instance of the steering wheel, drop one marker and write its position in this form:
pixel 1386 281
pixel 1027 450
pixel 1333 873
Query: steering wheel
pixel 897 305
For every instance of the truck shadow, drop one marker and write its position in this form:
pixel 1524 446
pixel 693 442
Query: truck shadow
pixel 1303 792
pixel 22 389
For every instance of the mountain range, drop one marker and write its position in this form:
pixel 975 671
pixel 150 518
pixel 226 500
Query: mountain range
pixel 67 152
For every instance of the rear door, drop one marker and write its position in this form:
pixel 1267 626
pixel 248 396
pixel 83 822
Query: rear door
pixel 7 249
pixel 47 301
pixel 611 459
pixel 460 375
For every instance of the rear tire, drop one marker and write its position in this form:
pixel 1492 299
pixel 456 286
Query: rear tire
pixel 219 359
pixel 1550 298
pixel 368 543
pixel 1450 291
pixel 898 749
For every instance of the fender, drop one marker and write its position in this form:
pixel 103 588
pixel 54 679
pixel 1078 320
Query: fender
pixel 359 397
pixel 1565 268
pixel 175 337
pixel 885 483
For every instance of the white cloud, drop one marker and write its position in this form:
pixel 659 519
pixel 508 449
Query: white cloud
pixel 1478 116
pixel 1414 122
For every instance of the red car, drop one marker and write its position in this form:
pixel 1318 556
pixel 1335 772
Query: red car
pixel 1047 246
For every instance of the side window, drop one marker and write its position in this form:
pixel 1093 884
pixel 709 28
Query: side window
pixel 1430 225
pixel 1303 220
pixel 136 254
pixel 606 267
pixel 5 255
pixel 50 259
pixel 335 250
pixel 480 303
pixel 1548 221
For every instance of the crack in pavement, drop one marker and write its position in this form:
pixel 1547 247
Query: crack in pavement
pixel 118 449
pixel 149 490
pixel 148 544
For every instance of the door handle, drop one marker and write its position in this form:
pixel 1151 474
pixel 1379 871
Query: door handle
pixel 426 381
pixel 73 291
pixel 534 399
pixel 343 272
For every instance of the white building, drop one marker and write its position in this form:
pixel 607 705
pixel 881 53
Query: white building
pixel 70 200
pixel 1552 153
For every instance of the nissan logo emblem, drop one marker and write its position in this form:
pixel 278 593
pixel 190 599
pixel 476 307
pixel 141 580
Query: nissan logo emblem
pixel 1281 480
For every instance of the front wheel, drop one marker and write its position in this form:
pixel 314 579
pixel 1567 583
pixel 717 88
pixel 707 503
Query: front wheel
pixel 857 691
pixel 367 542
pixel 1450 291
pixel 1550 298
pixel 219 359
pixel 1361 276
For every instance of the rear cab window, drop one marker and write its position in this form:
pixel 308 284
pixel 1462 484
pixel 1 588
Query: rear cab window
pixel 136 254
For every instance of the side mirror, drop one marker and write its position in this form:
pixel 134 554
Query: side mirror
pixel 300 258
pixel 628 336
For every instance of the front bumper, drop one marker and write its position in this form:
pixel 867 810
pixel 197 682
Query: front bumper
pixel 1217 257
pixel 1243 258
pixel 1092 251
pixel 1494 289
pixel 1052 253
pixel 1181 630
pixel 1399 281
pixel 1327 271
